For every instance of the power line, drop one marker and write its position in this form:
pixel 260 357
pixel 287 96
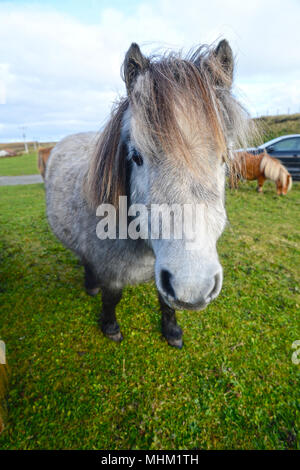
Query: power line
pixel 23 130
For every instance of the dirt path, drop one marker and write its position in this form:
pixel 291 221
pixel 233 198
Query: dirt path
pixel 15 180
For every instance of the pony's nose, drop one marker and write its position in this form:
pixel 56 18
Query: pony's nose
pixel 196 293
pixel 218 278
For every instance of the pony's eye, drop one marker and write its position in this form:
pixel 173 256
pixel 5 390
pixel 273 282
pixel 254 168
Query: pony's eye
pixel 137 158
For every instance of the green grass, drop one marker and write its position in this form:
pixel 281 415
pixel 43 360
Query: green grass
pixel 232 386
pixel 25 164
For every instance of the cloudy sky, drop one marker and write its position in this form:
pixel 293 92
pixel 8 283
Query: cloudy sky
pixel 60 59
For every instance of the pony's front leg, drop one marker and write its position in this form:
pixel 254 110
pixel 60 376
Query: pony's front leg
pixel 279 188
pixel 108 321
pixel 260 180
pixel 91 282
pixel 171 331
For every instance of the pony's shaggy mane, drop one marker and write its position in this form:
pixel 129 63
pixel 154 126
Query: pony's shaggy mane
pixel 197 87
pixel 275 171
pixel 192 85
pixel 106 177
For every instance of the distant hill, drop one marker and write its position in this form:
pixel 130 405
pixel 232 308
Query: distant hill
pixel 19 146
pixel 269 128
pixel 275 126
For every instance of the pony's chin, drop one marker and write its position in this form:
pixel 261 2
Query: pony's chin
pixel 177 305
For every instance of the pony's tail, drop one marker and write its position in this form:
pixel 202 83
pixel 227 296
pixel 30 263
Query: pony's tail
pixel 43 155
pixel 274 170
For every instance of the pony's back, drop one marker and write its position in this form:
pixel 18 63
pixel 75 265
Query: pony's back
pixel 65 174
pixel 71 152
pixel 246 165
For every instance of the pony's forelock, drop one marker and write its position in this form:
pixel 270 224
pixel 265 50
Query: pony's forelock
pixel 195 87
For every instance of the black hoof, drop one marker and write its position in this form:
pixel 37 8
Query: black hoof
pixel 93 291
pixel 112 331
pixel 175 342
pixel 117 337
pixel 173 334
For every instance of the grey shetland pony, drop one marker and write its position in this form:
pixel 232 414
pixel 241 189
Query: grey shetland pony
pixel 165 143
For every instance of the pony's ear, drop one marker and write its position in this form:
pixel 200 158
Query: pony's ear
pixel 134 64
pixel 223 54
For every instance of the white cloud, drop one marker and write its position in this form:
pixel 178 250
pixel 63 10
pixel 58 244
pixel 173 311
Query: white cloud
pixel 272 97
pixel 60 75
pixel 264 33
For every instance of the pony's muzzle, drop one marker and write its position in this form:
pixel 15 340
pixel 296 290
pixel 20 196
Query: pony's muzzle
pixel 193 295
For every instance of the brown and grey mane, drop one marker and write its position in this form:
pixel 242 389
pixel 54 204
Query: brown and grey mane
pixel 196 85
pixel 105 180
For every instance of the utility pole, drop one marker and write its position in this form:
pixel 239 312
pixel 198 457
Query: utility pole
pixel 23 129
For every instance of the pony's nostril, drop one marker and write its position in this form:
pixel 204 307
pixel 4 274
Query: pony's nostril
pixel 165 278
pixel 216 289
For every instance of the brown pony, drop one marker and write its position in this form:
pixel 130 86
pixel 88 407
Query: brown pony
pixel 259 167
pixel 43 155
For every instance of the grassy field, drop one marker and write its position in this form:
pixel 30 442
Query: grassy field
pixel 232 386
pixel 25 164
